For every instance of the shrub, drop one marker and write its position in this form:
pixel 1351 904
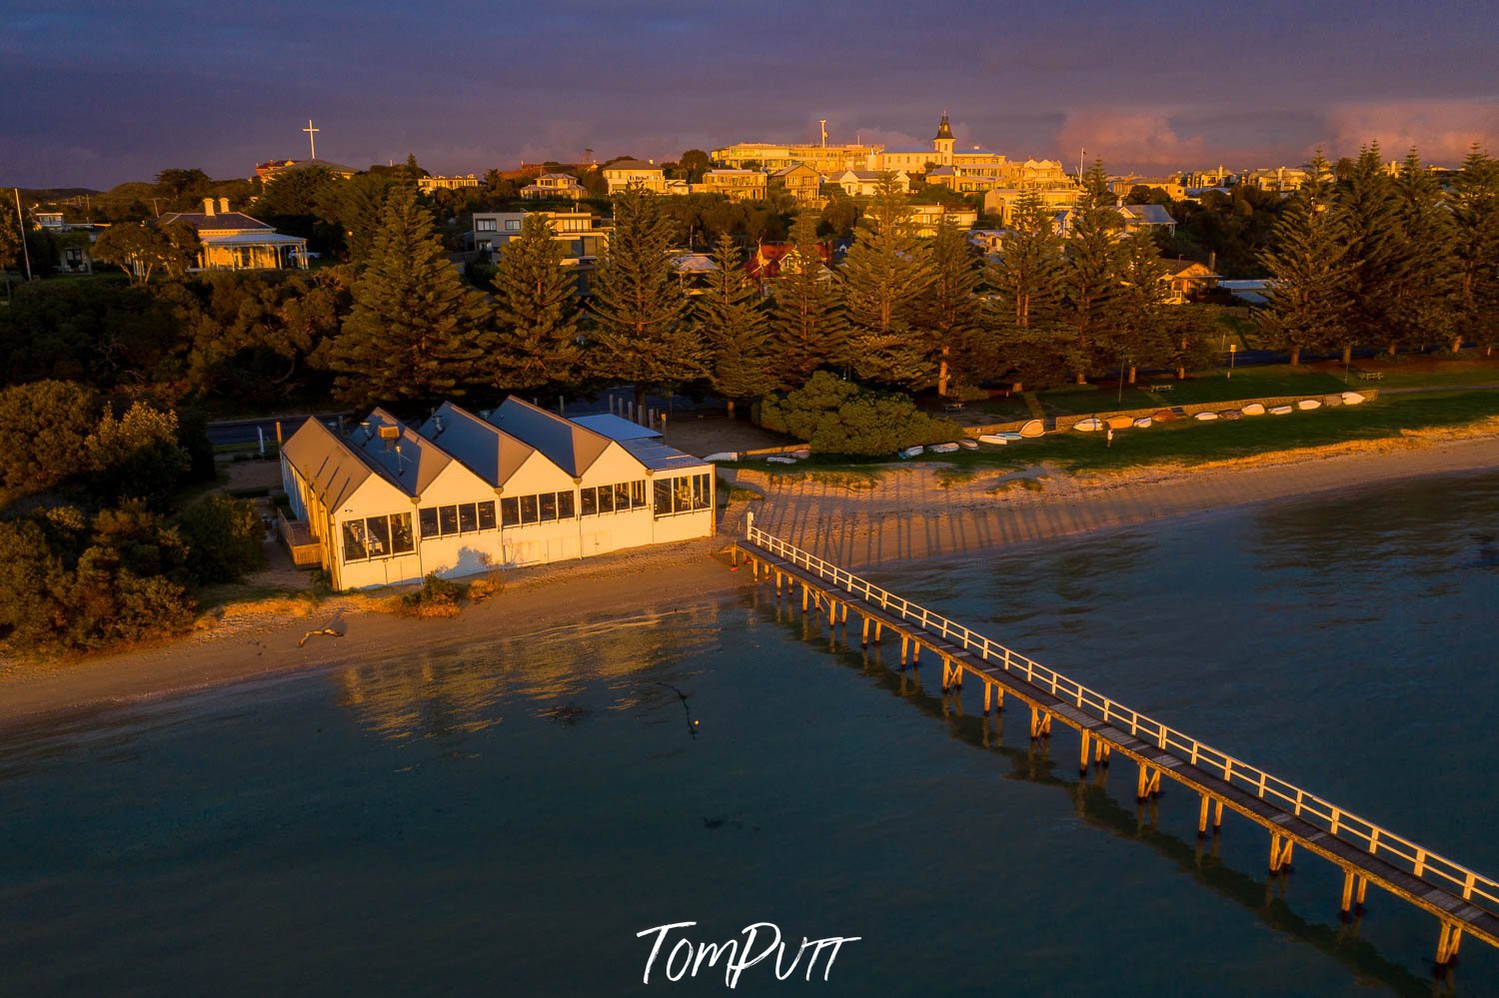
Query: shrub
pixel 840 417
pixel 438 597
pixel 136 454
pixel 224 539
pixel 48 422
pixel 68 583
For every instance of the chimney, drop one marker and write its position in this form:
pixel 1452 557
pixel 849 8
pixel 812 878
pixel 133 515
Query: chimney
pixel 224 205
pixel 208 207
pixel 1213 261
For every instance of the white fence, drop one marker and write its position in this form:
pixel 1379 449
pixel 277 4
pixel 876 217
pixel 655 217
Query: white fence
pixel 1377 841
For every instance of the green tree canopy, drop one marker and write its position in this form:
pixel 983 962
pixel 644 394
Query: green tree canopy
pixel 807 327
pixel 884 275
pixel 640 311
pixel 1090 279
pixel 731 320
pixel 416 331
pixel 536 314
pixel 1313 273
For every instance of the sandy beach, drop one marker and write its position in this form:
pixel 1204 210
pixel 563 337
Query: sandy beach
pixel 905 513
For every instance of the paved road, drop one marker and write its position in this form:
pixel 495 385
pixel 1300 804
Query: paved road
pixel 244 431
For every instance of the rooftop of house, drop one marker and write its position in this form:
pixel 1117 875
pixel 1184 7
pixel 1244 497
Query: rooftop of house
pixel 405 456
pixel 1150 214
pixel 334 469
pixel 219 221
pixel 484 448
pixel 569 446
pixel 632 164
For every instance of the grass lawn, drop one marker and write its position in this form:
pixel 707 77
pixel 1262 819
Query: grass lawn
pixel 1188 441
pixel 1080 399
pixel 1268 381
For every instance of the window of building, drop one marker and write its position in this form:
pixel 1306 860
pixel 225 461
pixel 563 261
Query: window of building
pixel 377 537
pixel 564 505
pixel 619 498
pixel 512 225
pixel 485 225
pixel 509 512
pixel 355 548
pixel 462 518
pixel 683 494
pixel 528 509
pixel 589 502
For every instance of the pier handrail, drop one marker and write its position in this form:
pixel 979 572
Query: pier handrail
pixel 1336 821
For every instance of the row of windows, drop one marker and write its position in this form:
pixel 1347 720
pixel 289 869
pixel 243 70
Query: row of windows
pixel 377 537
pixel 383 536
pixel 461 518
pixel 492 225
pixel 613 498
pixel 683 495
pixel 542 508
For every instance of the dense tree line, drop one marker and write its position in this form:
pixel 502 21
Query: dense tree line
pixel 1365 256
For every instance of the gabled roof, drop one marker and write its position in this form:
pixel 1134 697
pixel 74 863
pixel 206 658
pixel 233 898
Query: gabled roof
pixel 1177 268
pixel 793 168
pixel 1150 214
pixel 333 468
pixel 571 447
pixel 228 221
pixel 408 458
pixel 616 427
pixel 484 448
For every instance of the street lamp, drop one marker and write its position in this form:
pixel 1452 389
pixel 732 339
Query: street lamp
pixel 1233 350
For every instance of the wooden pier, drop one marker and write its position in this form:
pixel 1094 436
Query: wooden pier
pixel 1464 902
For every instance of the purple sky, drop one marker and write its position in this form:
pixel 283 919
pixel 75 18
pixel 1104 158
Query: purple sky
pixel 99 93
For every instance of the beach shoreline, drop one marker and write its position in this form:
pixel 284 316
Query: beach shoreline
pixel 911 514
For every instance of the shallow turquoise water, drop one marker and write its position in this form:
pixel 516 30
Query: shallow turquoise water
pixel 505 820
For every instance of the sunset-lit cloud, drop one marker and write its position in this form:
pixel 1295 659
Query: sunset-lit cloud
pixel 1443 131
pixel 1129 138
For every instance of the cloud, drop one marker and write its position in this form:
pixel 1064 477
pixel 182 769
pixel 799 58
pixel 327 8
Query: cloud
pixel 1131 139
pixel 1441 129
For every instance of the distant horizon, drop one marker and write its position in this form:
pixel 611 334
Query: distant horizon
pixel 104 96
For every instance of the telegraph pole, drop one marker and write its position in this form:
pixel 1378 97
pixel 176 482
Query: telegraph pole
pixel 21 226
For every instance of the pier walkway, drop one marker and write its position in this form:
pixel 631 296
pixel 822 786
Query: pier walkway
pixel 1465 903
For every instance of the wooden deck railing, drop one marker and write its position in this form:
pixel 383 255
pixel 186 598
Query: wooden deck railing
pixel 1337 821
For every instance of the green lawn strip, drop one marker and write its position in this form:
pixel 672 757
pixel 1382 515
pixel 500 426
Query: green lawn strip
pixel 1189 441
pixel 1255 382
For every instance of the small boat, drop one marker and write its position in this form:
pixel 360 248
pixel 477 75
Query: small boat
pixel 1205 416
pixel 968 443
pixel 1309 404
pixel 1353 398
pixel 1033 428
pixel 802 454
pixel 1088 425
pixel 1230 414
pixel 1143 421
pixel 1163 415
pixel 1282 410
pixel 942 448
pixel 1253 409
pixel 913 452
pixel 781 459
pixel 998 439
pixel 1119 422
pixel 723 455
pixel 1009 435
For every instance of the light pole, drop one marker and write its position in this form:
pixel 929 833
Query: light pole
pixel 1233 350
pixel 21 228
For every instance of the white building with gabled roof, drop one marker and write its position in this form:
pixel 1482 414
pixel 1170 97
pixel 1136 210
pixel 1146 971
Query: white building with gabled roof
pixel 463 493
